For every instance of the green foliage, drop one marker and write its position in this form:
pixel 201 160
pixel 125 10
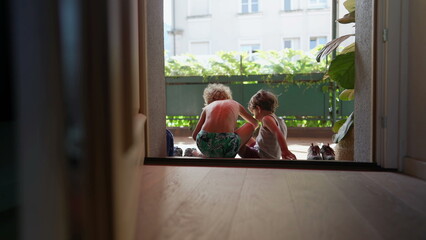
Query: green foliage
pixel 337 125
pixel 308 123
pixel 291 121
pixel 342 70
pixel 188 66
pixel 343 129
pixel 181 121
pixel 347 95
pixel 350 5
pixel 231 63
pixel 286 61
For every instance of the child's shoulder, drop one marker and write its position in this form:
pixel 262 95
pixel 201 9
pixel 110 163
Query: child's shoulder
pixel 270 116
pixel 269 119
pixel 230 102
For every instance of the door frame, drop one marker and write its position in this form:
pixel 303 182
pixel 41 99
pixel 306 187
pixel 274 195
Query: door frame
pixel 391 38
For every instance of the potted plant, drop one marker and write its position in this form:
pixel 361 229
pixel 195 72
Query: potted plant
pixel 342 71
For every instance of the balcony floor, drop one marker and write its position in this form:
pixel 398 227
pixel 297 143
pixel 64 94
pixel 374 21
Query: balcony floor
pixel 297 145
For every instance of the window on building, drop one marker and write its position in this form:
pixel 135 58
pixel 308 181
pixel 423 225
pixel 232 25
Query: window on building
pixel 198 7
pixel 200 48
pixel 317 4
pixel 250 48
pixel 291 5
pixel 315 41
pixel 292 43
pixel 249 6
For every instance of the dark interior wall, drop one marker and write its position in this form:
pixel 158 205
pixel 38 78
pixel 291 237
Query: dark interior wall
pixel 8 163
pixel 6 89
pixel 416 81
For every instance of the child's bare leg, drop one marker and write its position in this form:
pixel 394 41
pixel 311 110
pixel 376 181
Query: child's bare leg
pixel 245 132
pixel 251 142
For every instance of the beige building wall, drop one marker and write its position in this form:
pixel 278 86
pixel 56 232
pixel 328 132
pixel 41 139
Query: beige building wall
pixel 223 28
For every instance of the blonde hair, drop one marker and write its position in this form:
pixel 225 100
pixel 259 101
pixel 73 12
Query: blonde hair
pixel 265 100
pixel 216 91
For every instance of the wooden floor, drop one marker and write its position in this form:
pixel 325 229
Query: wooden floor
pixel 255 203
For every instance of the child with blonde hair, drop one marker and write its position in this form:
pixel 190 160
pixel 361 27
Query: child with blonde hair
pixel 271 140
pixel 216 134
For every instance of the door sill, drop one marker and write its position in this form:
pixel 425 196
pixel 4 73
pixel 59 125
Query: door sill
pixel 265 163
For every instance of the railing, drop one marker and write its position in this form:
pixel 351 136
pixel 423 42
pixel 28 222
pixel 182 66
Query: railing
pixel 301 96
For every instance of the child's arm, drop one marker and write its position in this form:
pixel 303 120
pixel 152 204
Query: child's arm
pixel 269 122
pixel 246 116
pixel 199 125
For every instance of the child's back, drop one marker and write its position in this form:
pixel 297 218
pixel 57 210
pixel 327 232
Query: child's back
pixel 267 141
pixel 271 140
pixel 221 116
pixel 215 133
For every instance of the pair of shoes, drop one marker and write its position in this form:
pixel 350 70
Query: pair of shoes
pixel 177 151
pixel 325 153
pixel 189 152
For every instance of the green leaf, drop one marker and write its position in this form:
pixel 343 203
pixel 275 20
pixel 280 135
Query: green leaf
pixel 337 125
pixel 349 48
pixel 344 129
pixel 347 95
pixel 349 5
pixel 331 46
pixel 342 70
pixel 347 18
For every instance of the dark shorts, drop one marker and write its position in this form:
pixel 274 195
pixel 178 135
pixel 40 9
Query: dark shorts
pixel 251 152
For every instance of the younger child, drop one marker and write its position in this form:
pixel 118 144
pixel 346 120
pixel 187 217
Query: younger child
pixel 215 133
pixel 271 140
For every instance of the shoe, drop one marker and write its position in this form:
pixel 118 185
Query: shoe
pixel 189 152
pixel 327 152
pixel 314 152
pixel 177 151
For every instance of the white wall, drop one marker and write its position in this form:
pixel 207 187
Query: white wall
pixel 225 28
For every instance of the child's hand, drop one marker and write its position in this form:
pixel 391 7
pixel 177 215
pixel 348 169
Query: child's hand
pixel 288 156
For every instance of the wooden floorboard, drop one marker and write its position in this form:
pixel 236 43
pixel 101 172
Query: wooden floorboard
pixel 390 216
pixel 263 203
pixel 265 209
pixel 403 187
pixel 323 211
pixel 207 211
pixel 159 200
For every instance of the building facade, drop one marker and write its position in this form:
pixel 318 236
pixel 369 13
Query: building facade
pixel 204 27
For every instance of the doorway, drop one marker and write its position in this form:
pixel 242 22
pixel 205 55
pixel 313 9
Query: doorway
pixel 364 150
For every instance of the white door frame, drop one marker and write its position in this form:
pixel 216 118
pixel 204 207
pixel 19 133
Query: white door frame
pixel 391 85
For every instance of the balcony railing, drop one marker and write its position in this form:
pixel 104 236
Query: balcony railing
pixel 301 96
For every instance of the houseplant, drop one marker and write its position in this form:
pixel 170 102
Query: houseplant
pixel 342 71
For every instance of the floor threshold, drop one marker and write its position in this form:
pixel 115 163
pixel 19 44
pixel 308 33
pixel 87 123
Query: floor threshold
pixel 265 163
